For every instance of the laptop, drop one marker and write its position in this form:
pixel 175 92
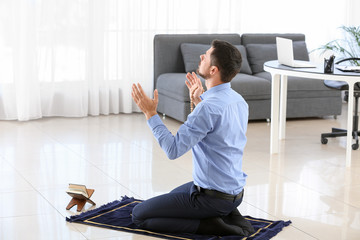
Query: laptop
pixel 285 54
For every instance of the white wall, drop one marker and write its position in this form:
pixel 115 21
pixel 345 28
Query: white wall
pixel 319 20
pixel 353 12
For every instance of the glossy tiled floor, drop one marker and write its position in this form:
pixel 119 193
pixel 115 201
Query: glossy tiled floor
pixel 116 155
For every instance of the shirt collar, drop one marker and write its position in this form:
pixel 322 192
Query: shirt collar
pixel 215 89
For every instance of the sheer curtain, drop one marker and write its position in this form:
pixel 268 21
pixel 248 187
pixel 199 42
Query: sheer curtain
pixel 75 58
pixel 66 58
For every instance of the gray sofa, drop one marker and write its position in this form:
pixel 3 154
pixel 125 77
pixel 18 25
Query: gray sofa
pixel 176 54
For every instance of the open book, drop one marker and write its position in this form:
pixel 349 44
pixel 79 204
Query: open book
pixel 80 196
pixel 78 191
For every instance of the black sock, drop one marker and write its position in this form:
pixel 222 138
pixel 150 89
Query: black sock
pixel 235 218
pixel 217 226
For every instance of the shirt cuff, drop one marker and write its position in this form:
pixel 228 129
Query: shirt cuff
pixel 154 121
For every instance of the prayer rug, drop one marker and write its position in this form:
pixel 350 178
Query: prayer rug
pixel 117 216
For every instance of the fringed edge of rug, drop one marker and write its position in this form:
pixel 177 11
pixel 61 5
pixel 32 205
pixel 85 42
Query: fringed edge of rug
pixel 82 216
pixel 276 227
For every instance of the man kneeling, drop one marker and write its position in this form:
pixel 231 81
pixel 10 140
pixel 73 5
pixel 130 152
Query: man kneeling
pixel 215 131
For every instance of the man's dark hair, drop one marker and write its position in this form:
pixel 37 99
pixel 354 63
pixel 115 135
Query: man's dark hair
pixel 227 58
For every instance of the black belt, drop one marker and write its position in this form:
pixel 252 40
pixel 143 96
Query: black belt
pixel 221 195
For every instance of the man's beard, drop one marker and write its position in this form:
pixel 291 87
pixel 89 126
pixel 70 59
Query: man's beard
pixel 203 75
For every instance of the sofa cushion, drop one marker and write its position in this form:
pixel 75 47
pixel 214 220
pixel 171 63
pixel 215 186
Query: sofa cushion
pixel 251 87
pixel 191 55
pixel 245 66
pixel 258 54
pixel 173 85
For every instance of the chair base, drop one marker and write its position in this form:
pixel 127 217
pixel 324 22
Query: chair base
pixel 338 132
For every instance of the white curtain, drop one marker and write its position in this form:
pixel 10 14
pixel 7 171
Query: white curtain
pixel 75 58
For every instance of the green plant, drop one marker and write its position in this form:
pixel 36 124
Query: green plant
pixel 348 47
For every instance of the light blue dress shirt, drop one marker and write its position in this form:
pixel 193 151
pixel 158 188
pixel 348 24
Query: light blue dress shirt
pixel 215 131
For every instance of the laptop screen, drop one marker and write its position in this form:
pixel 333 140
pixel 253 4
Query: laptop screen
pixel 285 51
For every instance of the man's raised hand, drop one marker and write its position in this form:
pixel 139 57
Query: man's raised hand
pixel 147 105
pixel 195 87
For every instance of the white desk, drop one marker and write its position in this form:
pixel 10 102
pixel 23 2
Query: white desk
pixel 279 74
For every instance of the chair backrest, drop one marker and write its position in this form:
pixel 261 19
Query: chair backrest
pixel 341 85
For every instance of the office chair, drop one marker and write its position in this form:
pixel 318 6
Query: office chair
pixel 338 132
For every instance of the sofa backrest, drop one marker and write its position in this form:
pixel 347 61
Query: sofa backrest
pixel 167 53
pixel 262 48
pixel 267 38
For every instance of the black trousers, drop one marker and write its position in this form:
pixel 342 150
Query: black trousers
pixel 180 210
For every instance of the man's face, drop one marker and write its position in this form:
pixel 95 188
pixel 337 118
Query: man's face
pixel 205 64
